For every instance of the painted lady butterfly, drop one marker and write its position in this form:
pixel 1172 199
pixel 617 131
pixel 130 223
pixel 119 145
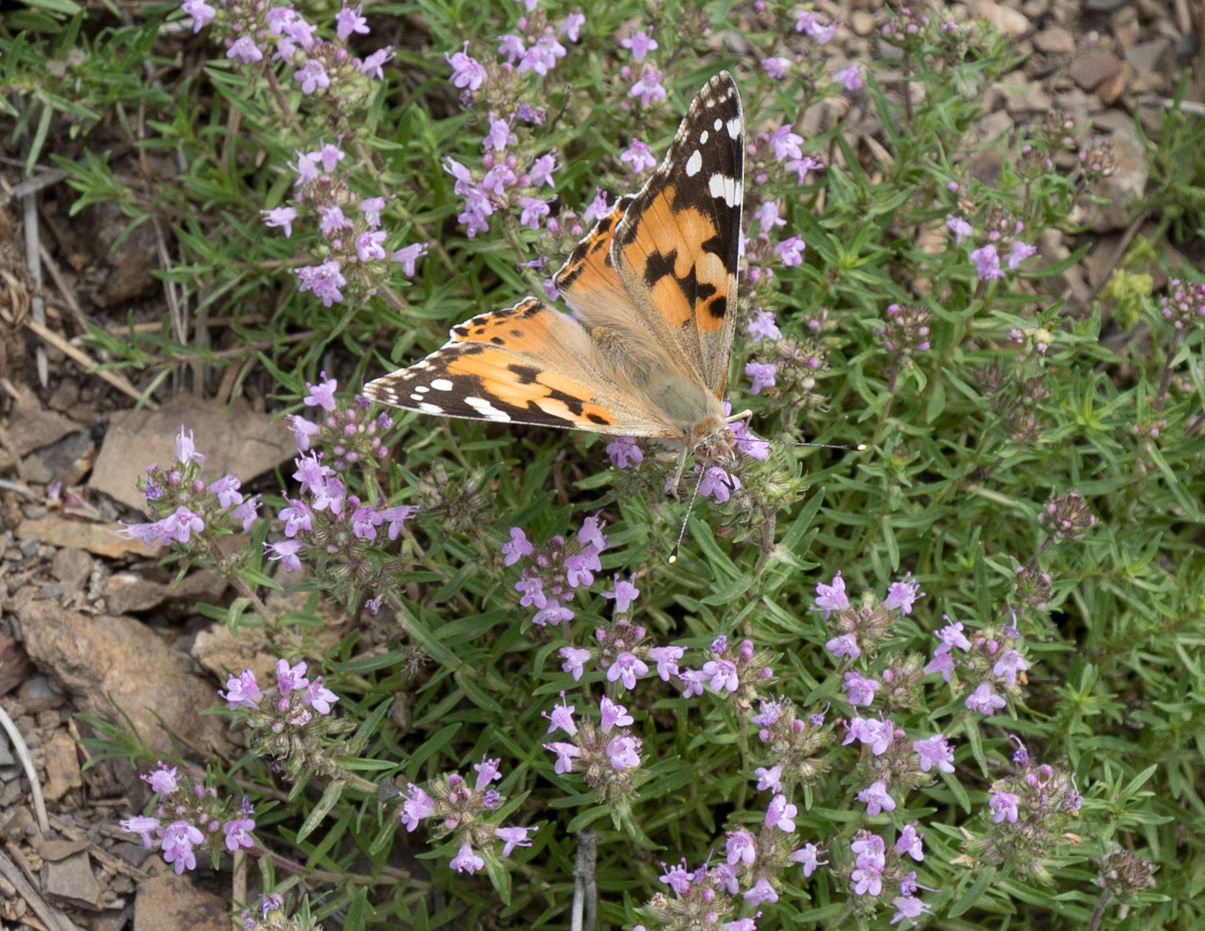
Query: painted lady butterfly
pixel 654 288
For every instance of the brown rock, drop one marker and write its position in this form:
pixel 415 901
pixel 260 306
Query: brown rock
pixel 1154 56
pixel 98 658
pixel 170 901
pixel 1093 68
pixel 1055 40
pixel 129 591
pixel 232 438
pixel 1110 89
pixel 1125 27
pixel 101 539
pixel 62 766
pixel 71 882
pixel 1007 20
pixel 71 567
pixel 14 664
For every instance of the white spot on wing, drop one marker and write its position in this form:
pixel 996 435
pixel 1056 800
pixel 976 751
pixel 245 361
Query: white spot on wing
pixel 734 127
pixel 421 389
pixel 487 410
pixel 430 408
pixel 724 188
pixel 441 384
pixel 703 137
pixel 718 124
pixel 694 163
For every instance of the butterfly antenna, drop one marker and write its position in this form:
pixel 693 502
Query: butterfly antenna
pixel 673 554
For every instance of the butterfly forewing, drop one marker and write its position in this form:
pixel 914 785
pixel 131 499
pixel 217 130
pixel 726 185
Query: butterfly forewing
pixel 677 247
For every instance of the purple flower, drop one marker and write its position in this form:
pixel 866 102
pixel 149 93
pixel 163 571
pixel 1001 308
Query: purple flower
pixel 291 678
pixel 769 778
pixel 831 597
pixel 780 814
pixel 186 450
pixel 666 659
pixel 466 861
pixel 623 752
pixel 624 594
pixel 396 517
pixel 179 838
pixel 467 72
pixel 180 526
pixel 542 56
pixel 200 11
pixel 1004 807
pixel 942 663
pixel 510 46
pixel 566 753
pixel 859 689
pixel 648 88
pixel 987 262
pixel 237 832
pixel 1009 665
pixel 762 891
pixel 640 44
pixel 370 246
pixel 575 659
pixel 162 780
pixel 627 668
pixel 623 450
pixel 902 595
pixel 722 675
pixel 612 715
pixel 512 838
pixel 869 862
pixel 762 325
pixel 844 645
pixel 767 216
pixel 850 77
pixel 517 547
pixel 1018 252
pixel 141 825
pixel 571 26
pixel 371 66
pixel 935 751
pixel 408 256
pixel 959 227
pixel 227 490
pixel 776 67
pixel 417 805
pixel 910 842
pixel 532 210
pixel 740 847
pixel 951 636
pixel 561 717
pixel 785 144
pixel 761 374
pixel 487 772
pixel 870 731
pixel 242 691
pixel 984 700
pixel 322 394
pixel 319 697
pixel 638 157
pixel 876 797
pixel 719 483
pixel 245 50
pixel 809 857
pixel 803 167
pixel 324 280
pixel 280 217
pixel 908 908
pixel 312 76
pixel 790 251
pixel 348 21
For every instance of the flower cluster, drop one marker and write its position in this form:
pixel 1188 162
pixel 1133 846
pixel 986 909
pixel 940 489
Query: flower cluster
pixel 349 435
pixel 354 246
pixel 325 525
pixel 786 368
pixel 878 865
pixel 187 817
pixel 251 31
pixel 274 917
pixel 1066 516
pixel 459 810
pixel 1001 236
pixel 603 750
pixel 189 512
pixel 291 723
pixel 557 570
pixel 989 663
pixel 1029 811
pixel 1184 304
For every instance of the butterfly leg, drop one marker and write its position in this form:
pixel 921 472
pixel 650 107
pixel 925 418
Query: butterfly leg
pixel 673 489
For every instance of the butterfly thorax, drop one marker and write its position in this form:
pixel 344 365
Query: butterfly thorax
pixel 713 442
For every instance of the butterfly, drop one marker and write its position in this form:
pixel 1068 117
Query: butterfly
pixel 654 290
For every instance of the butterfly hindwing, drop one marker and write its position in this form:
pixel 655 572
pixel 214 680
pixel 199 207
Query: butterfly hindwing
pixel 527 364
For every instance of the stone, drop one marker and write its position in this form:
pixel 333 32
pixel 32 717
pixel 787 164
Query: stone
pixel 1092 68
pixel 1055 40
